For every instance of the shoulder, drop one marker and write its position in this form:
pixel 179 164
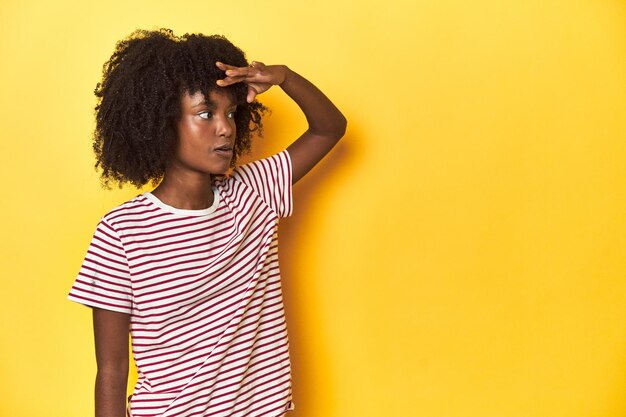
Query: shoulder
pixel 262 170
pixel 269 179
pixel 132 209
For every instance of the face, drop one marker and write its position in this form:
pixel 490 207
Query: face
pixel 206 133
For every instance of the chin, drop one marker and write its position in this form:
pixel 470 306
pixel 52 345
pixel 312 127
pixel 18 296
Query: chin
pixel 219 170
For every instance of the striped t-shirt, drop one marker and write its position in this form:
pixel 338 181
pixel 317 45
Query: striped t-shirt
pixel 203 289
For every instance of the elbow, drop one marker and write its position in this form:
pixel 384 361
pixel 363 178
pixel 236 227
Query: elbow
pixel 343 126
pixel 340 128
pixel 331 130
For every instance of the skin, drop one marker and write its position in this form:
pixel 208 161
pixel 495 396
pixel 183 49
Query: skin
pixel 111 339
pixel 204 128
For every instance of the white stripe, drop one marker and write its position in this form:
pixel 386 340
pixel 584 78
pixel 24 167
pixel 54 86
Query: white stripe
pixel 206 304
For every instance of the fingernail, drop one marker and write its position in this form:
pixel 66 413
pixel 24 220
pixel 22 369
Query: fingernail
pixel 229 72
pixel 220 82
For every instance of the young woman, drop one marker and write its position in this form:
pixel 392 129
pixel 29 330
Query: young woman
pixel 191 268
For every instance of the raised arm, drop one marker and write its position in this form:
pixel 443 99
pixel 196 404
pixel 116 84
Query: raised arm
pixel 326 123
pixel 111 339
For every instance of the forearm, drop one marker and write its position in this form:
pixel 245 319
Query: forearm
pixel 326 123
pixel 111 393
pixel 323 117
pixel 111 340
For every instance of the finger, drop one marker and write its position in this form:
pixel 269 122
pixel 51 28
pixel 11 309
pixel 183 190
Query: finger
pixel 223 66
pixel 238 75
pixel 257 64
pixel 230 80
pixel 240 72
pixel 233 70
pixel 251 94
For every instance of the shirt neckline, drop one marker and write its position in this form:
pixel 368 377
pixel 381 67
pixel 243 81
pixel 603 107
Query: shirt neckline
pixel 184 212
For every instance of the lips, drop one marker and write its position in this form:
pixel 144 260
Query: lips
pixel 224 150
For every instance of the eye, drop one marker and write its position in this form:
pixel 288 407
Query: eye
pixel 232 114
pixel 208 114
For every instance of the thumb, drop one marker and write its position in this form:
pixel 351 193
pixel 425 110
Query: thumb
pixel 251 94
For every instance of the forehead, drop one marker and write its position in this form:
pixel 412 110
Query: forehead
pixel 216 98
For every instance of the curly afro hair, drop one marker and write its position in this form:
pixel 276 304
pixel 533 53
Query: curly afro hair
pixel 139 101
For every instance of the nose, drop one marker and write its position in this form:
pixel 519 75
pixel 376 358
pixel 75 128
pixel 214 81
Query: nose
pixel 224 127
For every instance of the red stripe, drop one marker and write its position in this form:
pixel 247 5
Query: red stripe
pixel 120 280
pixel 177 245
pixel 172 363
pixel 138 319
pixel 190 349
pixel 157 268
pixel 192 338
pixel 217 267
pixel 122 289
pixel 223 366
pixel 162 238
pixel 91 302
pixel 209 334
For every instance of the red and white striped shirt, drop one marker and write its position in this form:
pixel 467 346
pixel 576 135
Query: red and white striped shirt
pixel 203 289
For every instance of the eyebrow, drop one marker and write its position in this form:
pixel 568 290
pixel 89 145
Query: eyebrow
pixel 205 103
pixel 209 104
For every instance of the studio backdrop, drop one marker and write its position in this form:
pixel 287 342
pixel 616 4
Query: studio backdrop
pixel 462 253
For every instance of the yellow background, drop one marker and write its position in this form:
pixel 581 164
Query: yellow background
pixel 461 252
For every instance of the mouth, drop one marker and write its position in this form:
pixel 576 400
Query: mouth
pixel 225 151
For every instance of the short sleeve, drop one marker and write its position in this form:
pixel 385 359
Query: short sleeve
pixel 271 180
pixel 104 277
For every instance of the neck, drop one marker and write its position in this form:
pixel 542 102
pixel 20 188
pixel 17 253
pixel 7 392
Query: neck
pixel 185 190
